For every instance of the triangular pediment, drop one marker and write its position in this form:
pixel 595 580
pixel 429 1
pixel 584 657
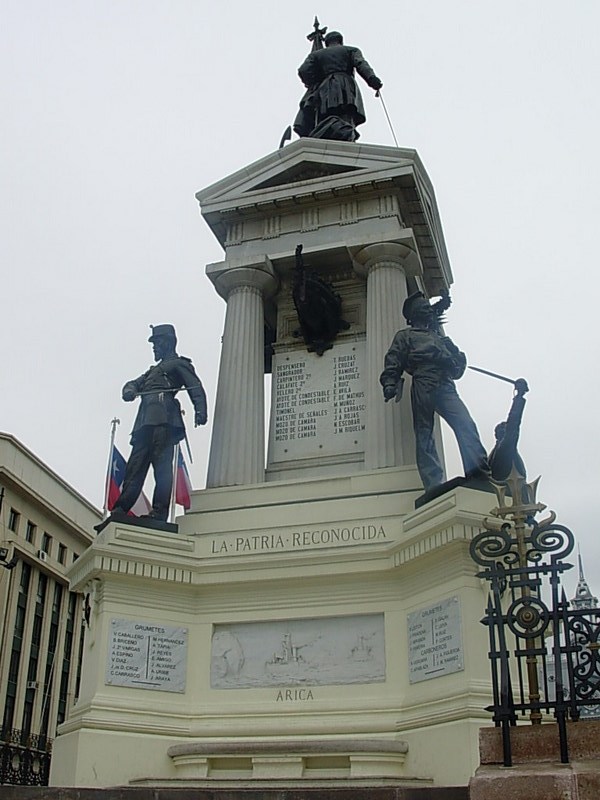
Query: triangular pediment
pixel 304 171
pixel 304 167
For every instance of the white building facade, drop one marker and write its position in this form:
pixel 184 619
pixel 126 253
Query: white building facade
pixel 45 525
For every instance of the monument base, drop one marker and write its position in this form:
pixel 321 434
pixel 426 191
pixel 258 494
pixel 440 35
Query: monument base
pixel 290 760
pixel 272 791
pixel 478 484
pixel 293 631
pixel 138 522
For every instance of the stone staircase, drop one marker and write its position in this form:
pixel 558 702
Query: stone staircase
pixel 314 793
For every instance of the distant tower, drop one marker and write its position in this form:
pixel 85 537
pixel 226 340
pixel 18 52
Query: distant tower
pixel 583 596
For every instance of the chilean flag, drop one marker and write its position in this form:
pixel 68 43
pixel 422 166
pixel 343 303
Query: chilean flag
pixel 115 481
pixel 183 485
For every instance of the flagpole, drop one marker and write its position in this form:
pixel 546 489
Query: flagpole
pixel 174 489
pixel 113 429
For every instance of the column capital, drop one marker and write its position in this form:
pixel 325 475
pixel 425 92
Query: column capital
pixel 227 277
pixel 392 254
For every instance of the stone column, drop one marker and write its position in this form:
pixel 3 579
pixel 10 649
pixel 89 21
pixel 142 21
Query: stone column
pixel 389 436
pixel 237 449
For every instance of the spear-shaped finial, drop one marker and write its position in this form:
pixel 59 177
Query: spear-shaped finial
pixel 317 36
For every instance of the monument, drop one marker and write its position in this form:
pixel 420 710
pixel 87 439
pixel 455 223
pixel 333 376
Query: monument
pixel 307 624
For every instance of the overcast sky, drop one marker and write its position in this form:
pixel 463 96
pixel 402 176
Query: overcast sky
pixel 115 112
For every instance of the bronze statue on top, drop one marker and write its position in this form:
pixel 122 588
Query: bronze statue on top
pixel 332 106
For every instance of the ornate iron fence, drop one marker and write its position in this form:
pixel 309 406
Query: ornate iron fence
pixel 24 758
pixel 544 654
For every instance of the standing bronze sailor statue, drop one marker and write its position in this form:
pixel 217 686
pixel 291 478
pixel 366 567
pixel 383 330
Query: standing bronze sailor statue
pixel 435 363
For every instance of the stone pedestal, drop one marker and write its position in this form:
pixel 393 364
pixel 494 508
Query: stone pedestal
pixel 537 773
pixel 314 630
pixel 368 224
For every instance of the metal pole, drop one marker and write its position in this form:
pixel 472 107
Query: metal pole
pixel 531 660
pixel 492 374
pixel 174 487
pixel 380 96
pixel 113 429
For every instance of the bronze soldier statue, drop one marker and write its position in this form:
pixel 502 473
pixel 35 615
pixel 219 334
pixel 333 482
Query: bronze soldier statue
pixel 159 424
pixel 434 362
pixel 333 107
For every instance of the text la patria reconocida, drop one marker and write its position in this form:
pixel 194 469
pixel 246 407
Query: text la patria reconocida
pixel 232 544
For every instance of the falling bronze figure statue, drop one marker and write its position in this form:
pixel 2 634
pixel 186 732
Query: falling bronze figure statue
pixel 505 456
pixel 332 106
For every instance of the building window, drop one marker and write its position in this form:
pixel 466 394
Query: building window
pixel 67 658
pixel 17 646
pixel 75 557
pixel 49 681
pixel 13 520
pixel 46 543
pixel 34 654
pixel 62 554
pixel 30 532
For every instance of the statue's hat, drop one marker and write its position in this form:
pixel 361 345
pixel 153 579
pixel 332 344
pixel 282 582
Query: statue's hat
pixel 162 330
pixel 413 301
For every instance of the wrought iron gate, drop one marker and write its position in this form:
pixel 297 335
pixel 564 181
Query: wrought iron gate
pixel 24 758
pixel 544 654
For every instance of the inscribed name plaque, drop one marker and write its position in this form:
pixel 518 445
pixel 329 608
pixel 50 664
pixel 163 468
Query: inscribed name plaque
pixel 304 652
pixel 146 656
pixel 318 403
pixel 435 641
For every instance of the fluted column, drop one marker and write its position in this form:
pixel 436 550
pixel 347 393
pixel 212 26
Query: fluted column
pixel 389 439
pixel 237 450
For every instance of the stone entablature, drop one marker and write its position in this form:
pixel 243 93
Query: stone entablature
pixel 360 189
pixel 354 184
